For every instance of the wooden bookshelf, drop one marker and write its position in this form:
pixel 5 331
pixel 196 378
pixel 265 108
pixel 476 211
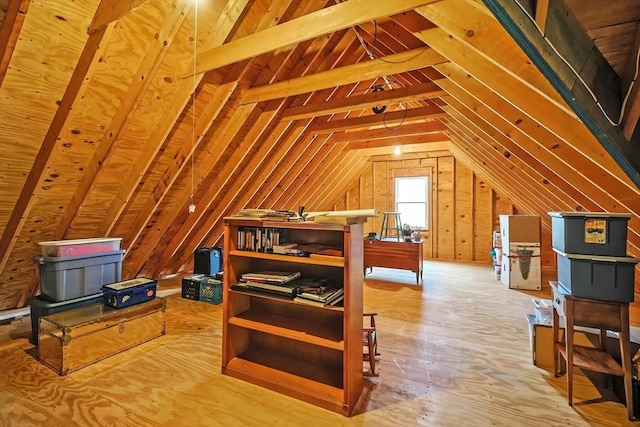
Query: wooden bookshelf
pixel 310 353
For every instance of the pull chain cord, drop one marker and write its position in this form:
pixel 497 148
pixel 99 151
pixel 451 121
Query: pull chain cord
pixel 192 205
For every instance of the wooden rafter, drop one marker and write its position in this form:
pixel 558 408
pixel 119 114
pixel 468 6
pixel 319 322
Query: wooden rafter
pixel 597 79
pixel 554 118
pixel 363 71
pixel 111 10
pixel 26 198
pixel 588 177
pixel 9 32
pixel 117 126
pixel 325 21
pixel 358 102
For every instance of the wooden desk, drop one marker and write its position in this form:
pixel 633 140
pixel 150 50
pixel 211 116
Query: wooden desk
pixel 603 315
pixel 393 254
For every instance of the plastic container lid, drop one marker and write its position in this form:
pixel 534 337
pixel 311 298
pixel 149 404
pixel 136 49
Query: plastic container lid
pixel 625 259
pixel 79 241
pixel 590 214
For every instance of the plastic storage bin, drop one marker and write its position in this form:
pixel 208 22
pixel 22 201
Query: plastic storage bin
pixel 129 292
pixel 543 310
pixel 597 277
pixel 40 308
pixel 78 247
pixel 211 290
pixel 191 286
pixel 65 278
pixel 590 233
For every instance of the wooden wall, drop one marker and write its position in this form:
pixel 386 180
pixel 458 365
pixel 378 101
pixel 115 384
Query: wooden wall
pixel 464 209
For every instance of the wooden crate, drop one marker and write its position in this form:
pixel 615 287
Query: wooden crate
pixel 73 339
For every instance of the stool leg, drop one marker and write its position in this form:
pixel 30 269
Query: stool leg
pixel 569 344
pixel 625 353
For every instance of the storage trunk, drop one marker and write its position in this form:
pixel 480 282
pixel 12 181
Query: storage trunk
pixel 73 339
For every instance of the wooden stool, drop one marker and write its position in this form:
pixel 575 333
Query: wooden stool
pixel 370 344
pixel 603 315
pixel 386 225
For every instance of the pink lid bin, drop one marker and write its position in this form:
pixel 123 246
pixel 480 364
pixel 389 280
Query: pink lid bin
pixel 77 247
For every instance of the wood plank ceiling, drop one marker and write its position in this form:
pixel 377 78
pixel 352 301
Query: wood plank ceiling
pixel 102 133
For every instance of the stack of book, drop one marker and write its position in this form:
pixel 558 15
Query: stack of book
pixel 269 214
pixel 321 297
pixel 276 282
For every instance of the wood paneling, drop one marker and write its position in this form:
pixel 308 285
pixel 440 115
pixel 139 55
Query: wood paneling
pixel 463 212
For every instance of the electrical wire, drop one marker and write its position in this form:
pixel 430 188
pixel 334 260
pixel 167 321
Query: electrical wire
pixel 573 70
pixel 193 107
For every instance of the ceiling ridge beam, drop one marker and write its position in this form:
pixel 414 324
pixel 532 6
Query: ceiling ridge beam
pixel 307 27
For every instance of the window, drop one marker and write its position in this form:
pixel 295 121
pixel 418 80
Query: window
pixel 412 200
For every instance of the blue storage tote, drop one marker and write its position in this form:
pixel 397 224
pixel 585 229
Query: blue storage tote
pixel 129 292
pixel 65 278
pixel 590 233
pixel 40 308
pixel 597 277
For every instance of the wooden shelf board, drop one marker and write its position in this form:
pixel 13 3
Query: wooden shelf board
pixel 593 359
pixel 287 327
pixel 270 296
pixel 314 392
pixel 334 262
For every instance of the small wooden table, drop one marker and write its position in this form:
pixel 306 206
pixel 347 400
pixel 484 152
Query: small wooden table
pixel 393 254
pixel 603 315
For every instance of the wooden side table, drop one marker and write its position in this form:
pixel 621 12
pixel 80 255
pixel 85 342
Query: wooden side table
pixel 602 315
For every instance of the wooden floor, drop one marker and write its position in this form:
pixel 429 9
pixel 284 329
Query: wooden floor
pixel 455 352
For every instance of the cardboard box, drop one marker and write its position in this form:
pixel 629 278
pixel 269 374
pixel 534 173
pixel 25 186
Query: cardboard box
pixel 541 341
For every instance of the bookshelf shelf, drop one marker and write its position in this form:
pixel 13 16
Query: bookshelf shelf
pixel 311 353
pixel 328 261
pixel 291 328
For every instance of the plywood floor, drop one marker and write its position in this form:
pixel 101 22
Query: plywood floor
pixel 455 352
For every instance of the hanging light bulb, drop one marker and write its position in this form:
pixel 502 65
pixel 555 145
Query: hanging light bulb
pixel 396 150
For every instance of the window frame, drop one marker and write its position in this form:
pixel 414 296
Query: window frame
pixel 427 197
